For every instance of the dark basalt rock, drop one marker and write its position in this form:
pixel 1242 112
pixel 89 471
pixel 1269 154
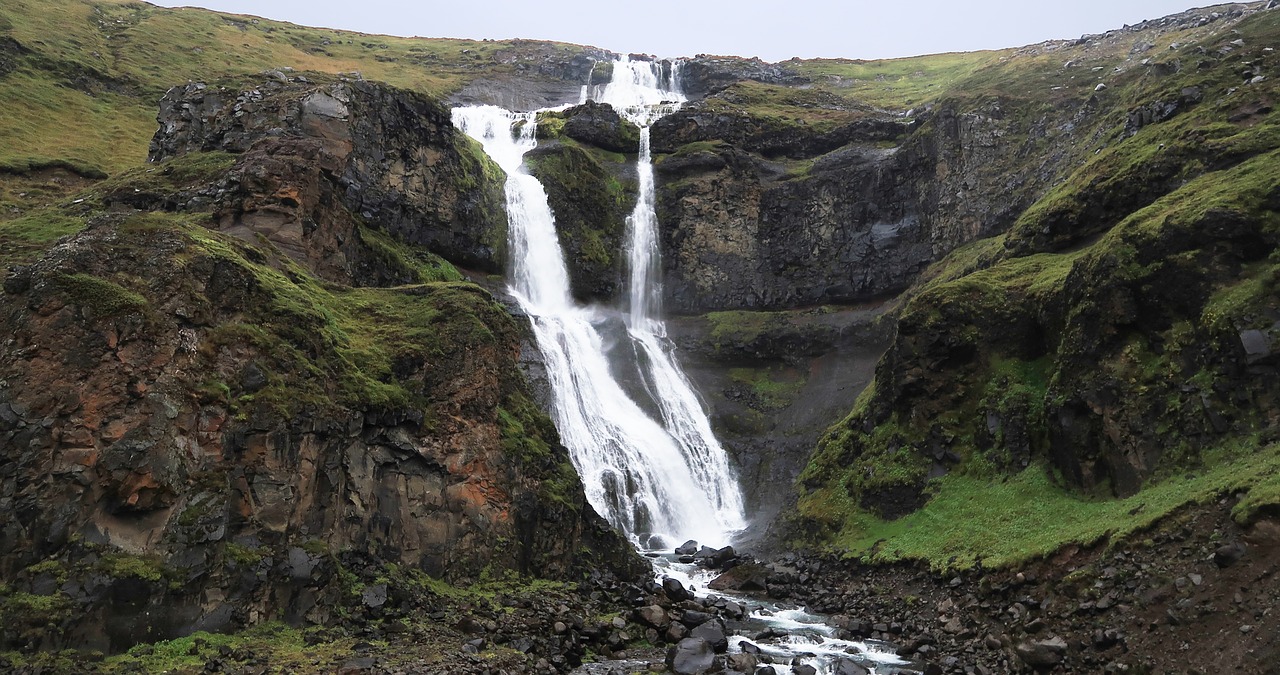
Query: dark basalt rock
pixel 375 139
pixel 861 222
pixel 598 124
pixel 692 656
pixel 193 462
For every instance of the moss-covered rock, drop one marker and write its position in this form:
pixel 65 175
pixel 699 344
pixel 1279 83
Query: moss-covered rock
pixel 591 206
pixel 240 368
pixel 592 123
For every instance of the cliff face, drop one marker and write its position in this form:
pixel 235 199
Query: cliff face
pixel 766 216
pixel 386 156
pixel 1120 330
pixel 244 370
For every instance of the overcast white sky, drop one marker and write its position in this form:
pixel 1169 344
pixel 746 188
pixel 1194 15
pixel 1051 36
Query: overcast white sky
pixel 774 30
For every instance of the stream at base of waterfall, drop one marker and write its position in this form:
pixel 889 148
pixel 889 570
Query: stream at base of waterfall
pixel 648 459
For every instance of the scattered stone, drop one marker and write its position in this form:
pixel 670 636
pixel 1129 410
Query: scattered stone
pixel 374 596
pixel 688 548
pixel 357 666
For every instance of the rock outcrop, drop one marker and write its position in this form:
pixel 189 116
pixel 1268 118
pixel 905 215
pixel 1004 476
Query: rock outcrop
pixel 758 215
pixel 210 399
pixel 394 158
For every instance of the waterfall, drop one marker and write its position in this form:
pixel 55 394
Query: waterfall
pixel 660 481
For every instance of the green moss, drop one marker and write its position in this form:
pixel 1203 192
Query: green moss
pixel 28 605
pixel 103 297
pixel 773 387
pixel 166 179
pixel 242 555
pixel 1012 520
pixel 740 326
pixel 56 568
pixel 591 207
pixel 24 238
pixel 418 265
pixel 123 565
pixel 519 442
pixel 326 345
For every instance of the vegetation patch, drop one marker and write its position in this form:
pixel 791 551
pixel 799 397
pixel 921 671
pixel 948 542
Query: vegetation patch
pixel 1014 519
pixel 417 264
pixel 24 238
pixel 103 297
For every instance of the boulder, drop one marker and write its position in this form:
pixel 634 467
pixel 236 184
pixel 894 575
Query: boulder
pixel 1229 554
pixel 1042 653
pixel 675 590
pixel 653 616
pixel 693 618
pixel 713 633
pixel 742 663
pixel 849 667
pixel 692 656
pixel 747 577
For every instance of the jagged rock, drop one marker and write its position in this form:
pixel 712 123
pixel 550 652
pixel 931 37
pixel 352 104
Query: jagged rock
pixel 748 577
pixel 344 129
pixel 1256 345
pixel 375 595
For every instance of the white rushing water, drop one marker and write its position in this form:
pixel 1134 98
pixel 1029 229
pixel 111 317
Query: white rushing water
pixel 658 480
pixel 808 639
pixel 659 476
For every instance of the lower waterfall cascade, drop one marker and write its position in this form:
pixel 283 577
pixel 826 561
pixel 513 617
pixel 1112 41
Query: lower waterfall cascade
pixel 659 478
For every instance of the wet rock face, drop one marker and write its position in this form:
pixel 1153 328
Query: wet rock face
pixel 759 216
pixel 547 78
pixel 393 156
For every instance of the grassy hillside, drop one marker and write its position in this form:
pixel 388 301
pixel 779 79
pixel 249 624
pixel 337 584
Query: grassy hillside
pixel 79 79
pixel 1083 374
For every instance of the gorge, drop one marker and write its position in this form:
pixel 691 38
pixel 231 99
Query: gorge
pixel 329 352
